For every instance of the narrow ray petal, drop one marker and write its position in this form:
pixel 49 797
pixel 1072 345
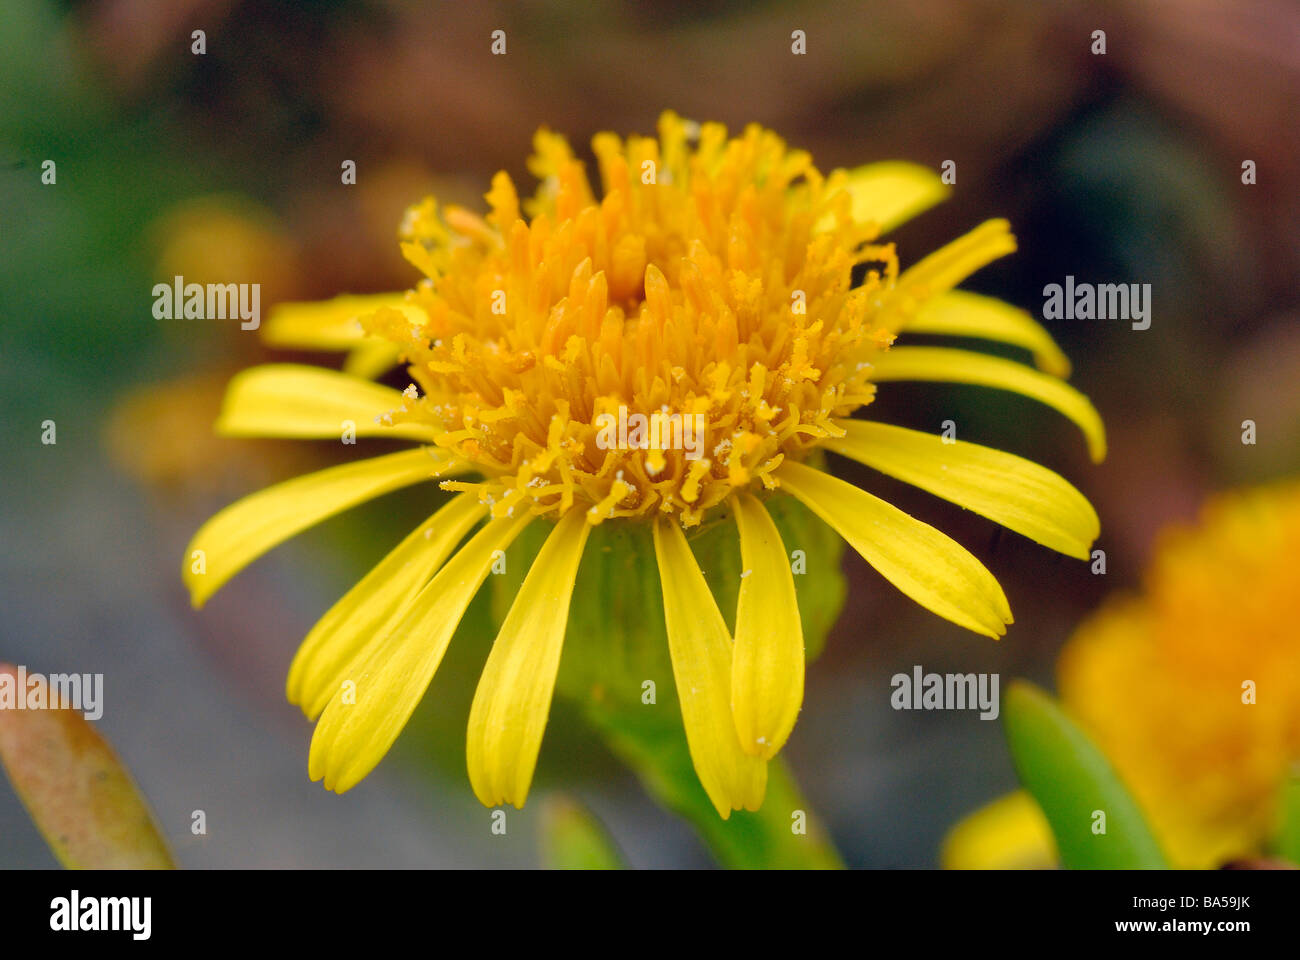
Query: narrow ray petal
pixel 959 313
pixel 1012 491
pixel 513 698
pixel 701 652
pixel 248 528
pixel 768 664
pixel 291 400
pixel 928 566
pixel 892 192
pixel 364 612
pixel 372 358
pixel 961 366
pixel 364 718
pixel 330 324
pixel 950 265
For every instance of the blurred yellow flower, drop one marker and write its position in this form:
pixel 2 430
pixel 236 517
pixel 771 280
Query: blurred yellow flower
pixel 160 434
pixel 220 238
pixel 710 284
pixel 1192 690
pixel 1010 833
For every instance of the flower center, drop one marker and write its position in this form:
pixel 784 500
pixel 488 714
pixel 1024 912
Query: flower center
pixel 656 349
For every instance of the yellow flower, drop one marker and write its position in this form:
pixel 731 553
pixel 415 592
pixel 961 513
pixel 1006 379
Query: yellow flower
pixel 1192 690
pixel 711 279
pixel 1162 682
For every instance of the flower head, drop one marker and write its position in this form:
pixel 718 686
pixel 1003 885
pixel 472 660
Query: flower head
pixel 697 288
pixel 709 291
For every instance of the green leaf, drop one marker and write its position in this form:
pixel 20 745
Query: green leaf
pixel 1073 782
pixel 1288 838
pixel 77 791
pixel 573 839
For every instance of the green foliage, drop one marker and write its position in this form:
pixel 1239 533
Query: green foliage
pixel 1073 782
pixel 573 839
pixel 1288 838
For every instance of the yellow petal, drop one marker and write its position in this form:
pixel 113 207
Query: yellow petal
pixel 962 366
pixel 892 192
pixel 959 313
pixel 1011 833
pixel 372 705
pixel 701 652
pixel 925 564
pixel 371 358
pixel 1012 491
pixel 364 613
pixel 768 663
pixel 304 402
pixel 330 324
pixel 954 262
pixel 513 698
pixel 248 528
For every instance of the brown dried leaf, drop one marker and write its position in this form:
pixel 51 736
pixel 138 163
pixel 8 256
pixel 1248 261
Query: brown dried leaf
pixel 77 791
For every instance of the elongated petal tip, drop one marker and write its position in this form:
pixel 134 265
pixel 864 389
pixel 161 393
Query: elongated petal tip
pixel 892 192
pixel 196 583
pixel 960 313
pixel 947 365
pixel 336 773
pixel 768 657
pixel 1097 445
pixel 362 720
pixel 701 650
pixel 919 560
pixel 305 402
pixel 512 702
pixel 993 629
pixel 348 780
pixel 239 534
pixel 1017 493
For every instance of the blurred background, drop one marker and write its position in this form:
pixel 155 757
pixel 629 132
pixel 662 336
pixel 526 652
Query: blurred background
pixel 1124 167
